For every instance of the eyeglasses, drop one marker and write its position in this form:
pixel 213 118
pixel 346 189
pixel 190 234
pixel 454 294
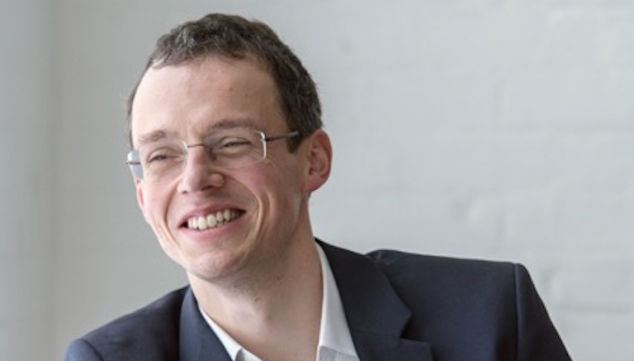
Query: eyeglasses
pixel 227 148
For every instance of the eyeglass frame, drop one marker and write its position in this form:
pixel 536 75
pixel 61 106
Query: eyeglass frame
pixel 136 164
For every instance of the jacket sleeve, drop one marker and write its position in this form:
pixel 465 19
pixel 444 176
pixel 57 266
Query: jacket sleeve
pixel 537 339
pixel 81 350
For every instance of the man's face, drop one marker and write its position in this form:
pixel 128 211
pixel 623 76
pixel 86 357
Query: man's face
pixel 266 202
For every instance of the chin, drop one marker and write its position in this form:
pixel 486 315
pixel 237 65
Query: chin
pixel 213 267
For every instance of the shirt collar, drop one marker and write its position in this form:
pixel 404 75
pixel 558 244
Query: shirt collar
pixel 334 335
pixel 232 346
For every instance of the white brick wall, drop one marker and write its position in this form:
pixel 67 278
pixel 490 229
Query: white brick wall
pixel 505 131
pixel 499 129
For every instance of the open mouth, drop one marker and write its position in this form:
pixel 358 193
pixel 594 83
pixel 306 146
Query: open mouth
pixel 212 220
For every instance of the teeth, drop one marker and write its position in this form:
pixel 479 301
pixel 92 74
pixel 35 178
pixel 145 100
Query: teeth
pixel 202 223
pixel 212 220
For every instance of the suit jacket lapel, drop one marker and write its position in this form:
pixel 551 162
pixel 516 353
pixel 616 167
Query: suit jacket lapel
pixel 197 341
pixel 375 313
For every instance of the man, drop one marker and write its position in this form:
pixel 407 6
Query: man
pixel 227 147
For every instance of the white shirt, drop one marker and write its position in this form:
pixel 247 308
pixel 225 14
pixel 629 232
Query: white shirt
pixel 335 342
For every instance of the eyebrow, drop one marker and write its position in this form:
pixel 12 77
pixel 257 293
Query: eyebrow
pixel 152 137
pixel 232 123
pixel 228 123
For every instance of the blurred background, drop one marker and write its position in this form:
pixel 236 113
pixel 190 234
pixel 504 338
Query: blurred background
pixel 496 129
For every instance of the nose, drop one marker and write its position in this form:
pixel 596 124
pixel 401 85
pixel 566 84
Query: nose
pixel 199 174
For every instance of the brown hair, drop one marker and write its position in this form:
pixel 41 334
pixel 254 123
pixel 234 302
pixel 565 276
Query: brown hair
pixel 236 37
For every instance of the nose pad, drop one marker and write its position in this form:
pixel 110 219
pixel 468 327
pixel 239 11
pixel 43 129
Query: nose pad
pixel 198 173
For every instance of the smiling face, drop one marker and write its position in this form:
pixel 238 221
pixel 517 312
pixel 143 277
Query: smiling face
pixel 216 222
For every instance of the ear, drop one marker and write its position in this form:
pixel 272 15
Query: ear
pixel 319 160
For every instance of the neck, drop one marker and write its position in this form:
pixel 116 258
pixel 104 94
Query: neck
pixel 275 312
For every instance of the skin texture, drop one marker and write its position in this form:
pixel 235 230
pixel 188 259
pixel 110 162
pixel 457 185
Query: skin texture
pixel 259 276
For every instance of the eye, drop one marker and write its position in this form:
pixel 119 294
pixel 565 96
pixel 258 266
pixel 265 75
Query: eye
pixel 233 146
pixel 158 158
pixel 163 154
pixel 233 142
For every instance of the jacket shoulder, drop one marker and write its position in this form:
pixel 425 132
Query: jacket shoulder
pixel 474 301
pixel 150 330
pixel 454 288
pixel 397 262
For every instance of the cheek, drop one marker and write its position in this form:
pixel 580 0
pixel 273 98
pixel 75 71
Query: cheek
pixel 153 206
pixel 278 194
pixel 275 189
pixel 156 206
pixel 162 195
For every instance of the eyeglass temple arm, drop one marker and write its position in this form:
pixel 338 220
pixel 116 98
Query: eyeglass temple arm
pixel 283 136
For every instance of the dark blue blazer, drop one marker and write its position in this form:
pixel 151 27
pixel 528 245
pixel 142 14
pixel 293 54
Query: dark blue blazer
pixel 399 306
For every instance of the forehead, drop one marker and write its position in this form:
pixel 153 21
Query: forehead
pixel 187 99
